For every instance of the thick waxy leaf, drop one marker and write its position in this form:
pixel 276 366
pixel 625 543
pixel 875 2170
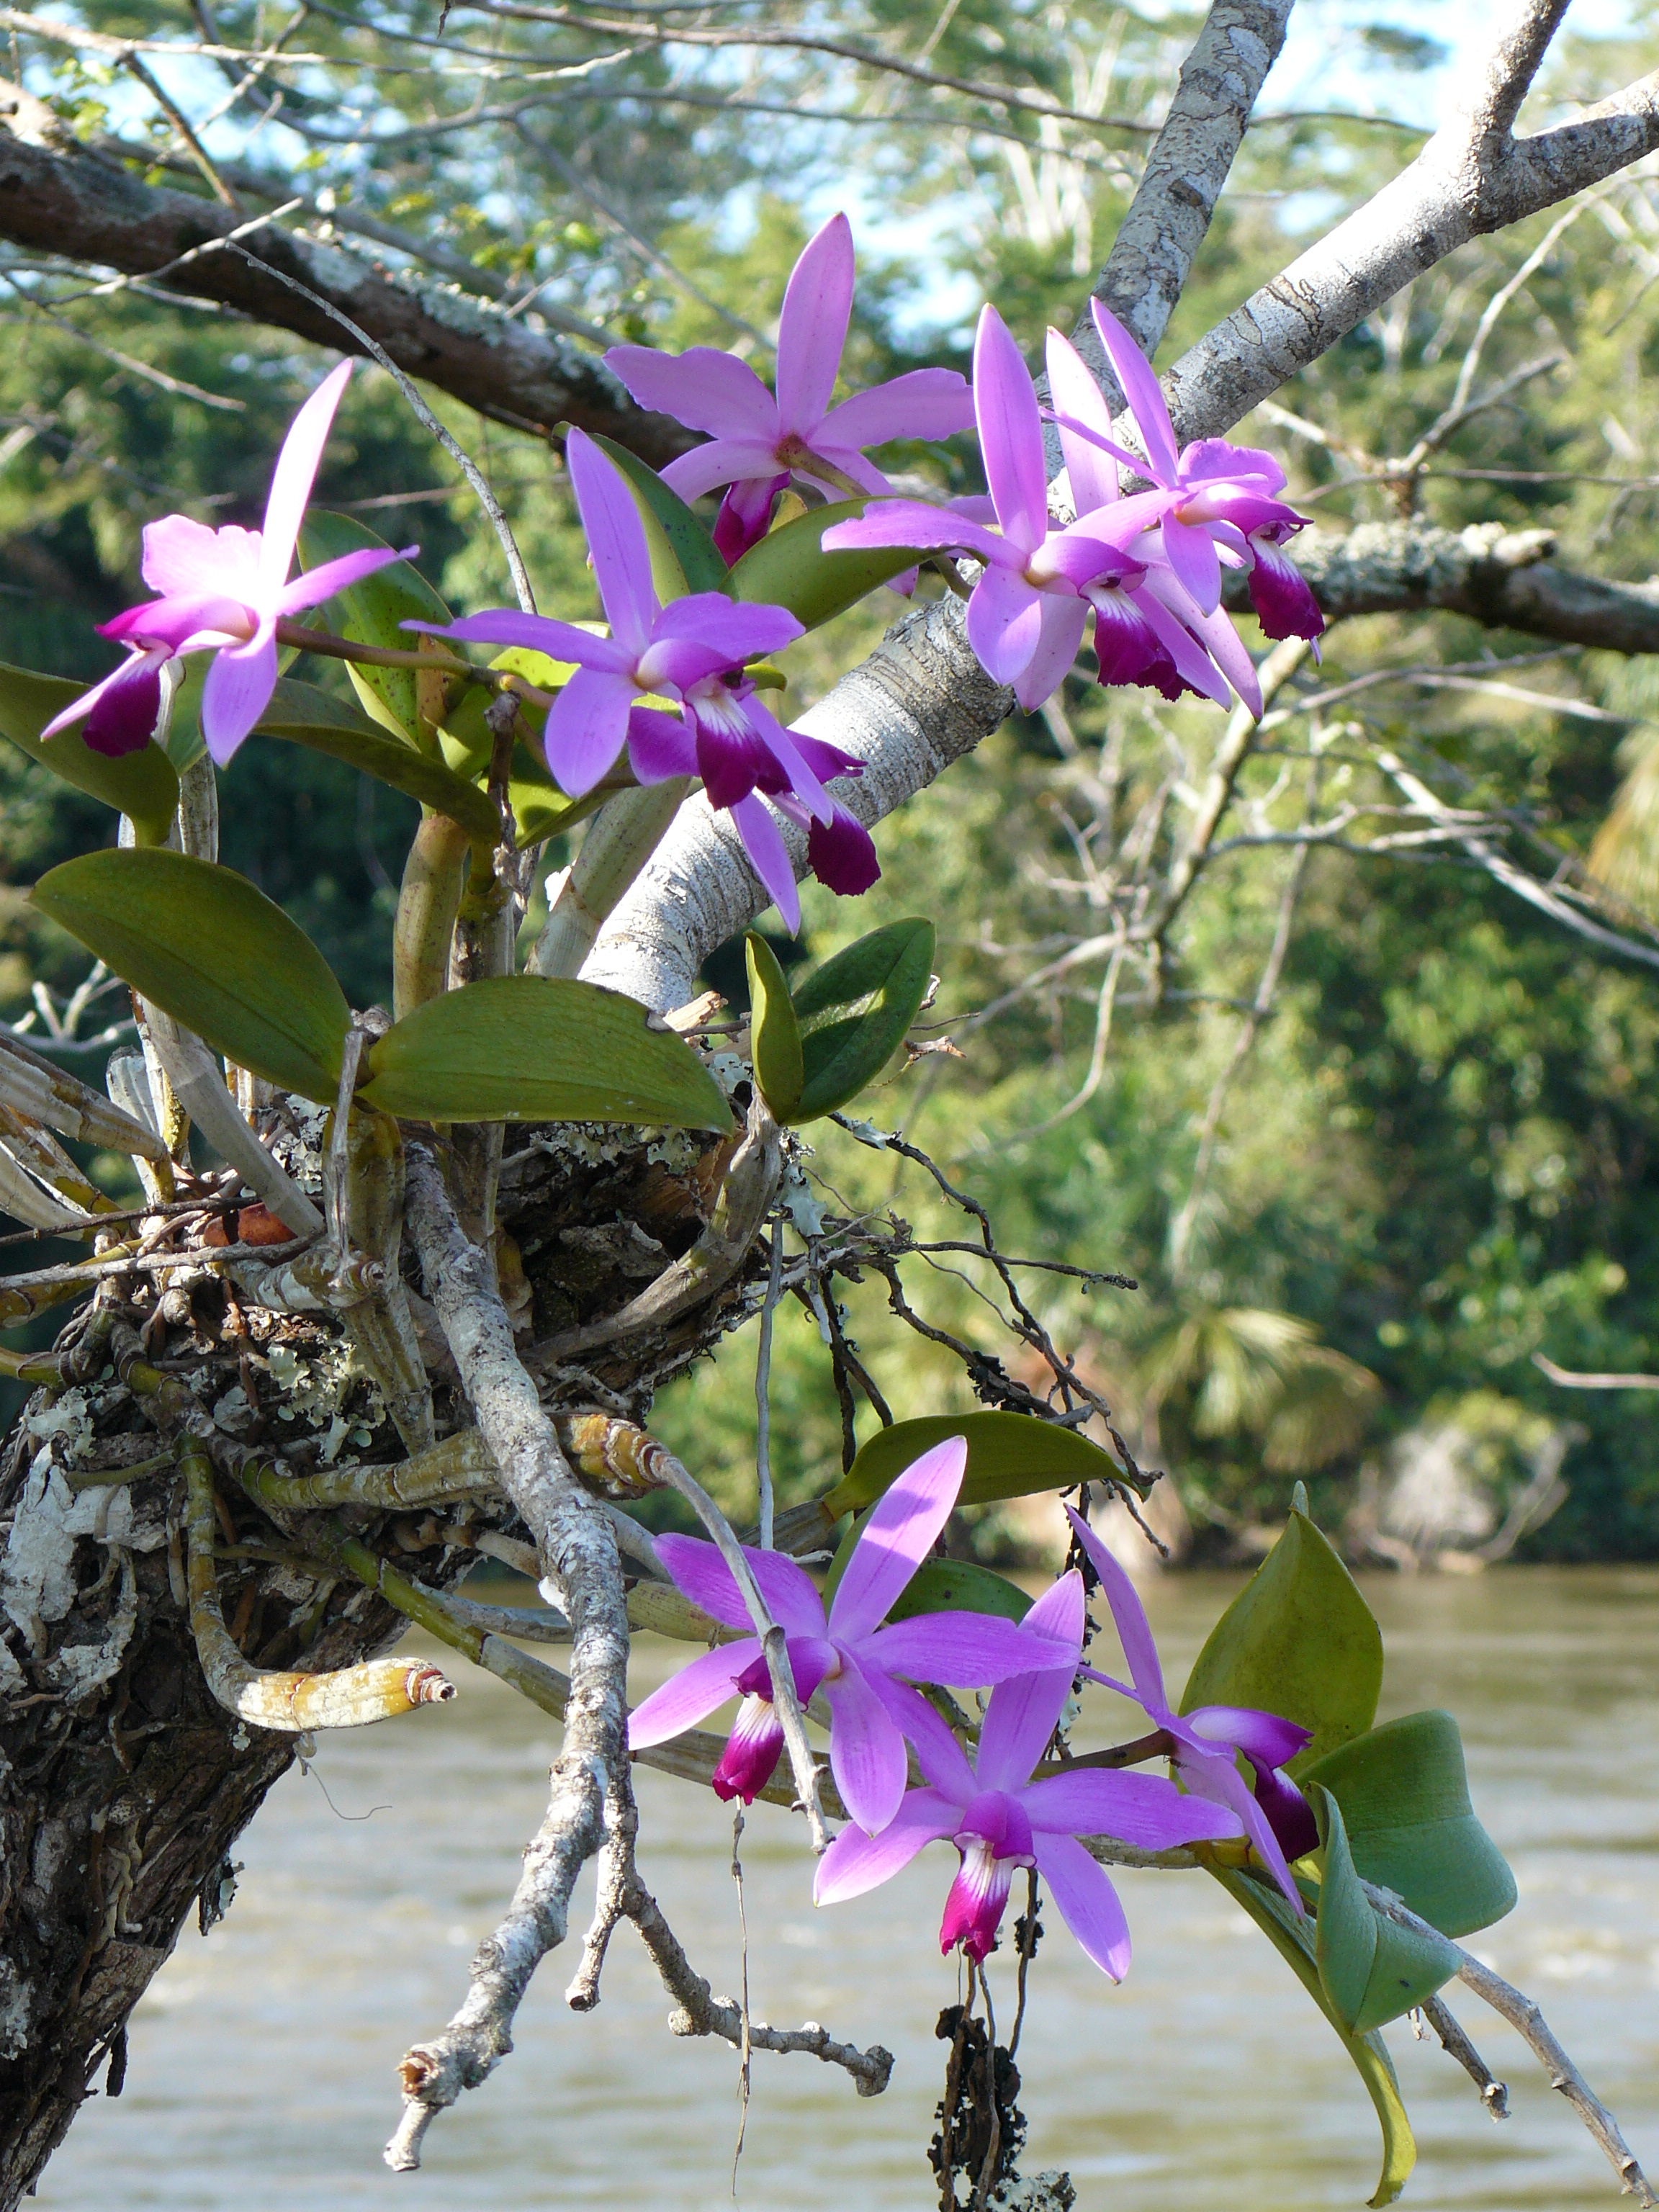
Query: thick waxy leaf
pixel 1009 1455
pixel 1292 1939
pixel 1372 1969
pixel 533 1048
pixel 670 527
pixel 1404 1796
pixel 790 569
pixel 308 716
pixel 958 1586
pixel 215 953
pixel 853 1013
pixel 143 785
pixel 370 613
pixel 1299 1641
pixel 775 1033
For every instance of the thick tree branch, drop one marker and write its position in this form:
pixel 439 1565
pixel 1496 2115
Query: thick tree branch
pixel 58 198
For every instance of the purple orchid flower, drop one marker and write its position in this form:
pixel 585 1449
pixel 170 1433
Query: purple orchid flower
pixel 1028 609
pixel 1215 496
pixel 999 1819
pixel 1277 1819
pixel 224 592
pixel 693 652
pixel 758 442
pixel 1148 628
pixel 847 1653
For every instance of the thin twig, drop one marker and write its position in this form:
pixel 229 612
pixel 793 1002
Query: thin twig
pixel 1494 2093
pixel 764 1391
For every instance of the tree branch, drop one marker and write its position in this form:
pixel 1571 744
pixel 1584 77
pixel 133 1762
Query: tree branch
pixel 578 1553
pixel 58 198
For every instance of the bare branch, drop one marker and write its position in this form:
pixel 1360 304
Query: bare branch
pixel 1494 2093
pixel 57 198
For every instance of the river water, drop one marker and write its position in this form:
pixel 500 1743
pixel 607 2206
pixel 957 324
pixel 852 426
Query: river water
pixel 261 2075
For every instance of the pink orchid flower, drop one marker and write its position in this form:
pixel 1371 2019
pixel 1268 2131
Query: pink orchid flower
pixel 224 592
pixel 1277 1819
pixel 692 652
pixel 1027 612
pixel 847 1653
pixel 999 1819
pixel 758 442
pixel 1148 628
pixel 1215 496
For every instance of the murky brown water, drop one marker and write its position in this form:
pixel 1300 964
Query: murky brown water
pixel 261 2075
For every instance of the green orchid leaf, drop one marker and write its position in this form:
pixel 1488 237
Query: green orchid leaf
pixel 1009 1455
pixel 790 569
pixel 959 1586
pixel 308 716
pixel 533 1048
pixel 853 1013
pixel 407 701
pixel 1291 1937
pixel 143 785
pixel 775 1033
pixel 1404 1796
pixel 215 953
pixel 1298 1641
pixel 1371 1969
pixel 693 562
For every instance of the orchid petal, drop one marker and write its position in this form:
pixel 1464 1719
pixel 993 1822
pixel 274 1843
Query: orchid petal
pixel 842 853
pixel 769 856
pixel 1210 458
pixel 722 461
pixel 924 403
pixel 1192 663
pixel 970 1650
pixel 702 1575
pixel 1226 648
pixel 1025 1710
pixel 616 538
pixel 123 711
pixel 1093 472
pixel 817 303
pixel 1286 1812
pixel 587 727
pixel 1005 622
pixel 896 1537
pixel 237 691
pixel 856 1863
pixel 183 558
pixel 1191 554
pixel 316 585
pixel 659 745
pixel 867 1752
pixel 789 756
pixel 1261 1736
pixel 705 389
pixel 173 621
pixel 1021 1716
pixel 1141 388
pixel 1134 1630
pixel 735 630
pixel 745 514
pixel 1063 621
pixel 700 1688
pixel 559 640
pixel 1088 1904
pixel 940 1757
pixel 826 761
pixel 291 481
pixel 913 522
pixel 1281 595
pixel 1010 433
pixel 1141 1809
pixel 731 762
pixel 1220 1780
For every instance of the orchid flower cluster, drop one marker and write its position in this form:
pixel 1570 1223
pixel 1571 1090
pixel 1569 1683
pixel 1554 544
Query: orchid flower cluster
pixel 998 1817
pixel 674 685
